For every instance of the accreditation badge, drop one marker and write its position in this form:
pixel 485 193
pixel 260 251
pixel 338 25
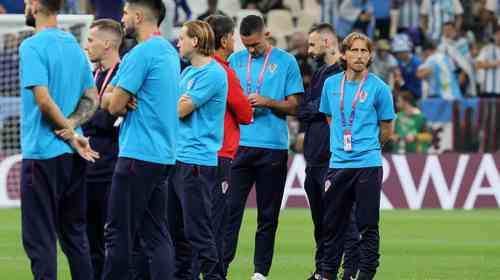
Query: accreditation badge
pixel 347 140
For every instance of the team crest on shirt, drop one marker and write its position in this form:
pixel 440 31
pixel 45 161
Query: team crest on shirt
pixel 362 96
pixel 225 186
pixel 328 184
pixel 273 67
pixel 190 84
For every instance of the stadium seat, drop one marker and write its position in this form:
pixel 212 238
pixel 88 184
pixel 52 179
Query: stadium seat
pixel 312 8
pixel 305 21
pixel 280 21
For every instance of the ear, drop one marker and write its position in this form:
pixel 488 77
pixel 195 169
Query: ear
pixel 107 44
pixel 139 16
pixel 195 42
pixel 224 42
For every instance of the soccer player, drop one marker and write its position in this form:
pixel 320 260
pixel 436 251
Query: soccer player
pixel 150 74
pixel 201 110
pixel 360 105
pixel 323 46
pixel 238 111
pixel 271 79
pixel 103 44
pixel 57 95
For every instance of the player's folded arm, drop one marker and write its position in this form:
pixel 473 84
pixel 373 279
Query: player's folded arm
pixel 118 101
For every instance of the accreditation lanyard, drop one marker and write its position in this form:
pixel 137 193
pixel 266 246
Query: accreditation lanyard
pixel 347 131
pixel 261 74
pixel 106 79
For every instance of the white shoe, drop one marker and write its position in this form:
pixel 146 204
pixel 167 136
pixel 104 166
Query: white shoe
pixel 258 276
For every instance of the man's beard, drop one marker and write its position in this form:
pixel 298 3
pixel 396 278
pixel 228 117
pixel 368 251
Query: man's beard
pixel 320 58
pixel 131 33
pixel 30 20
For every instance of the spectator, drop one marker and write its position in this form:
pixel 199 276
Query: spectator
pixel 382 13
pixel 104 9
pixel 355 15
pixel 384 64
pixel 434 13
pixel 183 4
pixel 488 65
pixel 11 7
pixel 408 65
pixel 212 10
pixel 72 7
pixel 263 6
pixel 329 11
pixel 457 48
pixel 438 71
pixel 410 131
pixel 407 13
pixel 482 21
pixel 493 6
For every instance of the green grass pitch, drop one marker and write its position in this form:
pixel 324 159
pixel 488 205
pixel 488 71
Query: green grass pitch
pixel 415 245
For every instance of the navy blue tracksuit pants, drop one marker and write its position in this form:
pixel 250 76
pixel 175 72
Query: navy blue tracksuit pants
pixel 53 206
pixel 220 192
pixel 97 204
pixel 189 211
pixel 315 188
pixel 136 223
pixel 345 187
pixel 267 169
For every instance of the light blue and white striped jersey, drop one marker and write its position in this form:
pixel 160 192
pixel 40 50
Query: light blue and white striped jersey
pixel 489 79
pixel 438 12
pixel 409 13
pixel 330 11
pixel 443 81
pixel 458 50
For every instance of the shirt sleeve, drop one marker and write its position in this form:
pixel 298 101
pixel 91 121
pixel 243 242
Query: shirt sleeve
pixel 324 105
pixel 132 73
pixel 428 63
pixel 294 83
pixel 384 104
pixel 207 86
pixel 457 7
pixel 33 71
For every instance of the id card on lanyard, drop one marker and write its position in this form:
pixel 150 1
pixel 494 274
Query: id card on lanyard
pixel 256 111
pixel 261 73
pixel 348 129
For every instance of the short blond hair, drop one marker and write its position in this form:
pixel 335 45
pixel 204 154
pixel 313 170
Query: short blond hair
pixel 349 41
pixel 205 35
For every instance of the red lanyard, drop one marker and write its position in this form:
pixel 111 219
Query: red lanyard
pixel 106 79
pixel 354 101
pixel 261 74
